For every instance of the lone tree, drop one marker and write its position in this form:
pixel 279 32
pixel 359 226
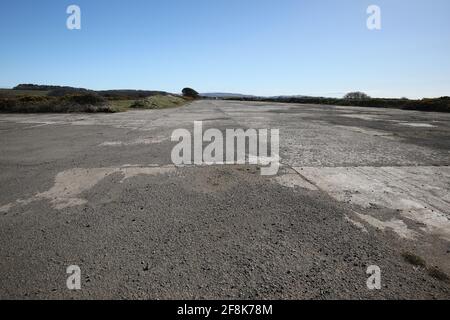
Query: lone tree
pixel 190 93
pixel 356 96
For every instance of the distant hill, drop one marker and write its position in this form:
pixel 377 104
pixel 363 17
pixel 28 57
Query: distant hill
pixel 59 91
pixel 39 87
pixel 225 95
pixel 135 94
pixel 288 97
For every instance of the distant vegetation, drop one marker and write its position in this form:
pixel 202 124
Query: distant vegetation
pixel 59 91
pixel 8 93
pixel 71 103
pixel 31 98
pixel 38 87
pixel 357 95
pixel 361 100
pixel 190 93
pixel 129 94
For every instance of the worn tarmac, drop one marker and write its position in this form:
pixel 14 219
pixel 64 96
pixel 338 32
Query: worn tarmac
pixel 357 187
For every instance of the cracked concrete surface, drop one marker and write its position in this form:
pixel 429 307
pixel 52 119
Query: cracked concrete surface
pixel 357 187
pixel 419 194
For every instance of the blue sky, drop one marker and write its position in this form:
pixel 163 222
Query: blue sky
pixel 263 47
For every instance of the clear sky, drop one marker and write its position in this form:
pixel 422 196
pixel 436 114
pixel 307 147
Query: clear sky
pixel 263 47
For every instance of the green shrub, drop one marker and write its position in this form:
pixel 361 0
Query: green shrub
pixel 190 93
pixel 357 95
pixel 438 105
pixel 86 99
pixel 72 103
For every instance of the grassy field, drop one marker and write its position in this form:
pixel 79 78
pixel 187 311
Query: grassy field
pixel 151 103
pixel 121 105
pixel 160 102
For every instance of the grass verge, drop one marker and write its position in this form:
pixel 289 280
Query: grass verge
pixel 121 105
pixel 160 102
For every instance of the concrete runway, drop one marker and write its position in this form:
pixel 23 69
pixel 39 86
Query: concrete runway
pixel 357 187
